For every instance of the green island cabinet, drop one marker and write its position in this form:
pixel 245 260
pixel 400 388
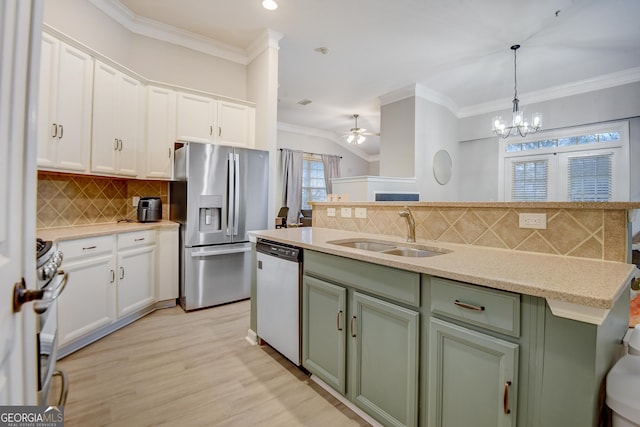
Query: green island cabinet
pixel 417 350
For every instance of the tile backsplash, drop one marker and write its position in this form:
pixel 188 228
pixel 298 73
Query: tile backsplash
pixel 66 200
pixel 585 233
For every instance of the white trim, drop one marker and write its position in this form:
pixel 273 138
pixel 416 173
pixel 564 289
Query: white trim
pixel 581 313
pixel 369 178
pixel 268 39
pixel 252 337
pixel 331 136
pixel 618 78
pixel 170 34
pixel 420 91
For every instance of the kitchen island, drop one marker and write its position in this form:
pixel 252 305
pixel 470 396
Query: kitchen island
pixel 474 335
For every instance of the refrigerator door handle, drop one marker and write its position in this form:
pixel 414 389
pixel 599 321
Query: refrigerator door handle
pixel 231 193
pixel 214 252
pixel 236 196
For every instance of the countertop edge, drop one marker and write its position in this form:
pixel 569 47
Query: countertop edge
pixel 96 230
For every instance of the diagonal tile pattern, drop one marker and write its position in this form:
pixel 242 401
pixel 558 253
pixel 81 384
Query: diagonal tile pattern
pixel 586 233
pixel 65 200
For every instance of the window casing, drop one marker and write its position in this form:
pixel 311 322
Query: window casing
pixel 588 163
pixel 313 184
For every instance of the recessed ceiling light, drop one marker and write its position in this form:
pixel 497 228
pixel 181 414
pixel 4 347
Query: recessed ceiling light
pixel 304 101
pixel 270 4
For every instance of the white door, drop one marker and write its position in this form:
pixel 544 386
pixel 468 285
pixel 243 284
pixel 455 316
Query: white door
pixel 129 120
pixel 195 120
pixel 19 55
pixel 234 124
pixel 104 141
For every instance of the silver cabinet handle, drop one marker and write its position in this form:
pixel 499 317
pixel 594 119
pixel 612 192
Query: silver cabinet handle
pixel 338 318
pixel 115 144
pixel 505 398
pixel 353 320
pixel 120 149
pixel 468 306
pixel 121 273
pixel 139 239
pixel 55 130
pixel 61 131
pixel 113 275
pixel 89 248
pixel 219 130
pixel 211 130
pixel 169 152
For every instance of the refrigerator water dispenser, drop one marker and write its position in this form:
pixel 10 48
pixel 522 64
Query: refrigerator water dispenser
pixel 210 214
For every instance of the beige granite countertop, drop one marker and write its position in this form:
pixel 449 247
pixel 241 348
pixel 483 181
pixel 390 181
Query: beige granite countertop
pixel 82 231
pixel 577 288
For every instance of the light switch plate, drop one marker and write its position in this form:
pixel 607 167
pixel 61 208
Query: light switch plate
pixel 331 211
pixel 345 212
pixel 134 201
pixel 361 213
pixel 533 220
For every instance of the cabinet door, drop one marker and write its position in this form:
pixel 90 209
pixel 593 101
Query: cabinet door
pixel 105 141
pixel 472 378
pixel 234 124
pixel 161 132
pixel 135 279
pixel 88 301
pixel 64 108
pixel 384 360
pixel 129 120
pixel 195 121
pixel 324 331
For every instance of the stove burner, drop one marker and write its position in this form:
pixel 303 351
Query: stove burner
pixel 42 247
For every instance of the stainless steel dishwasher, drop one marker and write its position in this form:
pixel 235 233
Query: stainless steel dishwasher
pixel 278 297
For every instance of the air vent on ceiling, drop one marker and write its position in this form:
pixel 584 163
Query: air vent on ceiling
pixel 304 101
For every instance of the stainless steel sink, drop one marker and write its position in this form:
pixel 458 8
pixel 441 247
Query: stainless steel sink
pixel 412 252
pixel 386 248
pixel 366 245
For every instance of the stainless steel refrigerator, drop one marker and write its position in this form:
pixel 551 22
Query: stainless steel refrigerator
pixel 219 194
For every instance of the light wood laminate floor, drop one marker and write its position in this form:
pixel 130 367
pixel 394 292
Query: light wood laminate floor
pixel 193 369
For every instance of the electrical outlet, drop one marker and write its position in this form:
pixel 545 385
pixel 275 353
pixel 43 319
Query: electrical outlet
pixel 345 212
pixel 134 201
pixel 531 220
pixel 331 211
pixel 361 213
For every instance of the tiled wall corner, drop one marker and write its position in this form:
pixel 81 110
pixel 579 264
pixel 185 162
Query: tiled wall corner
pixel 65 200
pixel 585 233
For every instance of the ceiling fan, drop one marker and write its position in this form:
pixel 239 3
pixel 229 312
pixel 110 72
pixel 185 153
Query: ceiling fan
pixel 357 135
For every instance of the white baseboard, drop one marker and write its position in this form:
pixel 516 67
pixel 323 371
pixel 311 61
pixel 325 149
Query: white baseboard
pixel 346 402
pixel 252 337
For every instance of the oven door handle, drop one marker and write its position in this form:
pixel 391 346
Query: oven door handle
pixel 51 292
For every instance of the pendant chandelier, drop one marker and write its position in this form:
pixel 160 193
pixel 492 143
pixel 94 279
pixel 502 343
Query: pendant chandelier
pixel 519 125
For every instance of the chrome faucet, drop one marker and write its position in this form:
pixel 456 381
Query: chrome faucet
pixel 411 224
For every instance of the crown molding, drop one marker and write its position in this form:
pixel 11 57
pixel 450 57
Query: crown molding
pixel 606 81
pixel 331 136
pixel 420 91
pixel 168 33
pixel 268 39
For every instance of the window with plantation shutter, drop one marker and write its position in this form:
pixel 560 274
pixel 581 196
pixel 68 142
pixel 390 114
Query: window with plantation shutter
pixel 590 178
pixel 529 181
pixel 582 164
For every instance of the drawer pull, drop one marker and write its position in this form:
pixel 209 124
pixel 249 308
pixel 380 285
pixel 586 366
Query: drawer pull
pixel 505 400
pixel 113 275
pixel 89 248
pixel 468 306
pixel 353 319
pixel 338 317
pixel 139 239
pixel 121 273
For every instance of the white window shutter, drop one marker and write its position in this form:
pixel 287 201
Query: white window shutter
pixel 590 178
pixel 529 181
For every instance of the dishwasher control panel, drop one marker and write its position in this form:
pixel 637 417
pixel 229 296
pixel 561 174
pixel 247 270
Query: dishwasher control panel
pixel 280 250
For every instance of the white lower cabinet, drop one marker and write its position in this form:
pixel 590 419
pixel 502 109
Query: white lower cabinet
pixel 109 278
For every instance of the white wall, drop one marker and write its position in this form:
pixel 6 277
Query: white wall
pixel 153 59
pixel 374 168
pixel 436 129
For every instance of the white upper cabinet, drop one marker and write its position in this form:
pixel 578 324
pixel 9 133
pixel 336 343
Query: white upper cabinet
pixel 64 107
pixel 196 118
pixel 236 124
pixel 204 119
pixel 117 122
pixel 161 132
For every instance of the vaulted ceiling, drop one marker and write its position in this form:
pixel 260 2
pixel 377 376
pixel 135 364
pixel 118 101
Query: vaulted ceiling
pixel 456 49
